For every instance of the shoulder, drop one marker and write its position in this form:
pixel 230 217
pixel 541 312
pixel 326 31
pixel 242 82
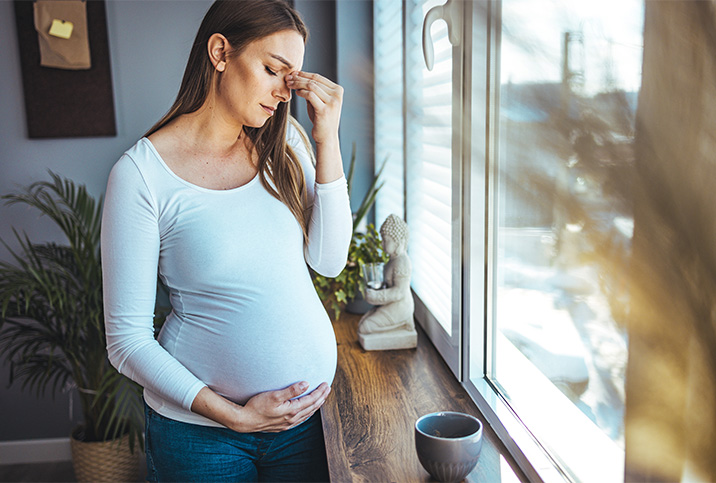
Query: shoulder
pixel 131 161
pixel 134 168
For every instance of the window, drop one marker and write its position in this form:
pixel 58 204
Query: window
pixel 430 141
pixel 388 42
pixel 568 80
pixel 513 144
pixel 431 153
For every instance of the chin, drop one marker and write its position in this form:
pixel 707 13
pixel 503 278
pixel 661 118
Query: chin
pixel 257 123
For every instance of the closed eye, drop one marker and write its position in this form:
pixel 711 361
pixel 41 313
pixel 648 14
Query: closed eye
pixel 271 72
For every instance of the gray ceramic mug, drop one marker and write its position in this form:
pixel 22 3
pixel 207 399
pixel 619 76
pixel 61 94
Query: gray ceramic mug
pixel 448 444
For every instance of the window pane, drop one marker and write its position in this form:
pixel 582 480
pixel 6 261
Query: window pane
pixel 569 74
pixel 429 161
pixel 388 65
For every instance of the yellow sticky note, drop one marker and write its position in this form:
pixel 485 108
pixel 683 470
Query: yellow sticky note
pixel 61 29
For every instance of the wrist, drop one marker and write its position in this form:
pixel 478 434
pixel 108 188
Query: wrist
pixel 219 409
pixel 329 163
pixel 238 419
pixel 330 143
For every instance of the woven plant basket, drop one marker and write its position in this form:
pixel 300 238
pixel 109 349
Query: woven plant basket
pixel 109 461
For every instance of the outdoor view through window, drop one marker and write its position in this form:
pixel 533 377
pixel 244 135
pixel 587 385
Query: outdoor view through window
pixel 569 76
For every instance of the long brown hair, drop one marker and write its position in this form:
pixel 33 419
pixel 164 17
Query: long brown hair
pixel 243 22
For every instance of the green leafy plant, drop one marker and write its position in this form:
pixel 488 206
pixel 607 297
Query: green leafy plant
pixel 51 314
pixel 365 247
pixel 336 292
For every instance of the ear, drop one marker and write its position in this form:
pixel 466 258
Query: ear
pixel 218 47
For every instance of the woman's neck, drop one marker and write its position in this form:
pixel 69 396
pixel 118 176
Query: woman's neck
pixel 208 128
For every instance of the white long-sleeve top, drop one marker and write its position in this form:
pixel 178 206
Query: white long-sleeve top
pixel 245 316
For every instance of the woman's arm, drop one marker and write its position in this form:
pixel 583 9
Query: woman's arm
pixel 331 224
pixel 130 256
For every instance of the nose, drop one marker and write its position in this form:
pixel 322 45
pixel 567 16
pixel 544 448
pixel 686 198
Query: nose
pixel 283 92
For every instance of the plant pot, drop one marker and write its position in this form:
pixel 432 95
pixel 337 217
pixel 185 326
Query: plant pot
pixel 104 461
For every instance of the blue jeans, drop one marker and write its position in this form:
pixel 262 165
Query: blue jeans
pixel 178 451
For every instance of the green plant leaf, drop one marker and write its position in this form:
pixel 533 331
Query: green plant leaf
pixel 351 169
pixel 369 198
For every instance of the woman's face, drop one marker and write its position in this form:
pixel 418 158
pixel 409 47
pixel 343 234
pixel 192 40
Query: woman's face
pixel 253 83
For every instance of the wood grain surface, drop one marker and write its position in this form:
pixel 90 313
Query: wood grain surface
pixel 368 420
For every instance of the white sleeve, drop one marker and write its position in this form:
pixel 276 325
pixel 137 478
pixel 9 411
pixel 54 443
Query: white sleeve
pixel 130 255
pixel 330 226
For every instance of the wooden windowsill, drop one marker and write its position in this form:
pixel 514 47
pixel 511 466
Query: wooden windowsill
pixel 376 398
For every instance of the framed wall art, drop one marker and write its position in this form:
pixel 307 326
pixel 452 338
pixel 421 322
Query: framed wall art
pixel 65 64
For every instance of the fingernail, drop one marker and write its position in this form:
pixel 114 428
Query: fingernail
pixel 289 77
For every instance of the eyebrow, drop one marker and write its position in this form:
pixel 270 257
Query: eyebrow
pixel 282 60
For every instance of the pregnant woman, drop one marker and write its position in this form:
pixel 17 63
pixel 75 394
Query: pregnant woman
pixel 222 200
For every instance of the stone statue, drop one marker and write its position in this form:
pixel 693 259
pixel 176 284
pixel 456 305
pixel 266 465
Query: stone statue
pixel 390 325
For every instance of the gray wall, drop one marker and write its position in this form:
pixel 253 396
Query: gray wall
pixel 354 38
pixel 149 43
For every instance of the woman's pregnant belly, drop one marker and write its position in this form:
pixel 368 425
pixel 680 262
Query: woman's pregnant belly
pixel 258 348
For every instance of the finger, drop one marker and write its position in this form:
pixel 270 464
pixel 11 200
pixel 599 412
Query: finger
pixel 308 411
pixel 323 96
pixel 317 79
pixel 311 399
pixel 304 419
pixel 312 98
pixel 324 90
pixel 297 415
pixel 292 391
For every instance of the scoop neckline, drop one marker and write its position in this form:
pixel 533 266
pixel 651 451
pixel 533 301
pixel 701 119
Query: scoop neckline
pixel 244 186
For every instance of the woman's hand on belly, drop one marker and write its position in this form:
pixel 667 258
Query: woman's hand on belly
pixel 280 410
pixel 270 411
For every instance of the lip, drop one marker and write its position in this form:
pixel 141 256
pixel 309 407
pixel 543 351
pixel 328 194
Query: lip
pixel 268 109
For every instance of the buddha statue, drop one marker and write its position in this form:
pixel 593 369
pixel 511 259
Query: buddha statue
pixel 390 325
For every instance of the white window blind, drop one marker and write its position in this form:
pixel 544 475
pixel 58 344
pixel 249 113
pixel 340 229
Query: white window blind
pixel 428 162
pixel 388 55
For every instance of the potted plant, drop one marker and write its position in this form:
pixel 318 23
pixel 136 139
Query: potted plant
pixel 52 329
pixel 365 247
